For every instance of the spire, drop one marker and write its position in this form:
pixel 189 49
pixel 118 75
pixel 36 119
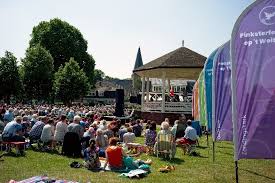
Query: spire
pixel 139 61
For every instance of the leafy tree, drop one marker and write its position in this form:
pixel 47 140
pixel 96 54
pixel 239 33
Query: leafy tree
pixel 137 83
pixel 109 78
pixel 10 82
pixel 99 75
pixel 63 41
pixel 37 73
pixel 70 82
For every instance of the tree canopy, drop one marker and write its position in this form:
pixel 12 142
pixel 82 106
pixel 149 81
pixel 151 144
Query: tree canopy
pixel 37 72
pixel 137 84
pixel 63 41
pixel 99 75
pixel 10 82
pixel 70 82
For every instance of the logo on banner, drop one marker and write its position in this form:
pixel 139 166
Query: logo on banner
pixel 267 15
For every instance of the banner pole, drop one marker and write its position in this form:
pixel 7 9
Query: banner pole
pixel 213 152
pixel 237 171
pixel 207 139
pixel 234 104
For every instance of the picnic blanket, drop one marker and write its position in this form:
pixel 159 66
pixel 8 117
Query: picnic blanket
pixel 41 179
pixel 135 173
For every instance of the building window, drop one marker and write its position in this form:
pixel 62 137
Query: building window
pixel 101 93
pixel 93 93
pixel 178 88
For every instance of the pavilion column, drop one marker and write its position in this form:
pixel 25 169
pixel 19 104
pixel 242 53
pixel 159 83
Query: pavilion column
pixel 147 89
pixel 169 85
pixel 163 93
pixel 142 92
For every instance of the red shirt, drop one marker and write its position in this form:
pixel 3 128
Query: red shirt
pixel 114 154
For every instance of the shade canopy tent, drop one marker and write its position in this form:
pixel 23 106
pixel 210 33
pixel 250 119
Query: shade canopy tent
pixel 181 63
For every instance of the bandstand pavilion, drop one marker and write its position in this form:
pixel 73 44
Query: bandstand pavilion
pixel 180 64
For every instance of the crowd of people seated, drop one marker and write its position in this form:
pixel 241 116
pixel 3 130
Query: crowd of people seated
pixel 81 131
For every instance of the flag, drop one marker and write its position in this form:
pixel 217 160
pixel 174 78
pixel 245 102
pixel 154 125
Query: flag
pixel 222 108
pixel 195 102
pixel 208 68
pixel 202 109
pixel 253 81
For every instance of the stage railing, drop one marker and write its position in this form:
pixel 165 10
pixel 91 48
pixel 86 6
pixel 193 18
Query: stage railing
pixel 185 107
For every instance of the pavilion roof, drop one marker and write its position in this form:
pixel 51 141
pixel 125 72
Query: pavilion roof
pixel 174 64
pixel 179 58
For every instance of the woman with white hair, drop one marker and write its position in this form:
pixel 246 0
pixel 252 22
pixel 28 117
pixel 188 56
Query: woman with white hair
pixel 103 125
pixel 34 119
pixel 101 142
pixel 165 126
pixel 161 140
pixel 76 127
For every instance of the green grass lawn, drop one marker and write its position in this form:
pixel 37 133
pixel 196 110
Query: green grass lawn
pixel 188 169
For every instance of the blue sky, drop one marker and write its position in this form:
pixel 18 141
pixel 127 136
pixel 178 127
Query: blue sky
pixel 115 29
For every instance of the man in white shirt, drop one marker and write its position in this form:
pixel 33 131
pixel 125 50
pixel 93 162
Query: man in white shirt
pixel 190 136
pixel 190 132
pixel 129 137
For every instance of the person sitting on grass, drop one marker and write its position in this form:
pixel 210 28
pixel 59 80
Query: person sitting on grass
pixel 174 128
pixel 122 131
pixel 118 160
pixel 13 133
pixel 61 129
pixel 37 128
pixel 137 128
pixel 161 140
pixel 47 136
pixel 9 116
pixel 189 139
pixel 131 164
pixel 34 119
pixel 103 125
pixel 101 142
pixel 88 135
pixel 190 136
pixel 91 156
pixel 109 132
pixel 75 127
pixel 150 135
pixel 114 155
pixel 181 126
pixel 129 137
